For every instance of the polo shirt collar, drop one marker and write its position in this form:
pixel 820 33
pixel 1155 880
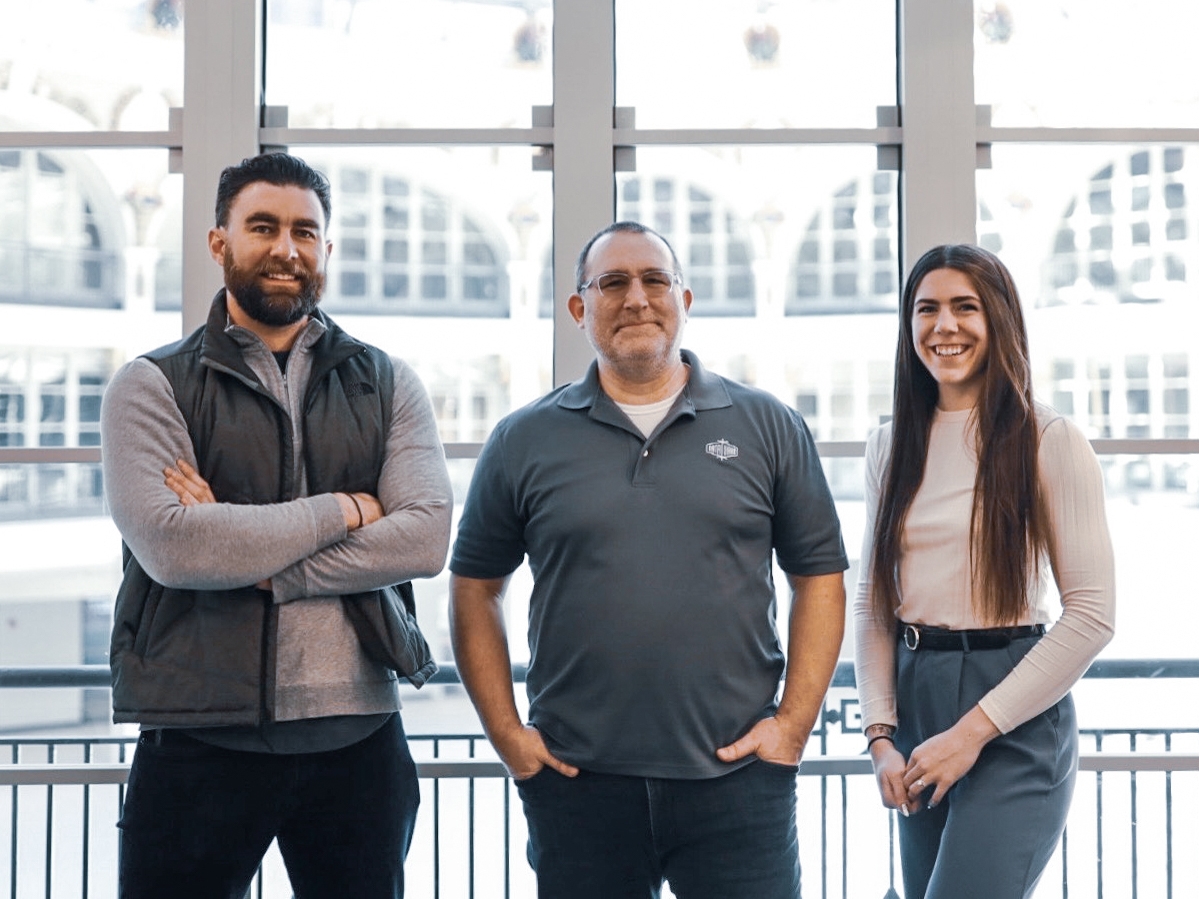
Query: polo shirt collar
pixel 704 390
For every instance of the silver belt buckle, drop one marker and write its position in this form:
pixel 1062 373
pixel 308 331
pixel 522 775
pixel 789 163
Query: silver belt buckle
pixel 911 636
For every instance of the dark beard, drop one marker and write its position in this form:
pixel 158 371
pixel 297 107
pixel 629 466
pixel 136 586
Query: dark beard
pixel 274 309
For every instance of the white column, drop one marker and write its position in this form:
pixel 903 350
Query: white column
pixel 584 178
pixel 221 78
pixel 936 95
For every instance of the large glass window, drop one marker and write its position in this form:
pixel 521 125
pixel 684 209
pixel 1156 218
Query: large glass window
pixel 1078 63
pixel 716 64
pixel 406 245
pixel 1090 233
pixel 779 268
pixel 424 64
pixel 61 235
pixel 705 229
pixel 51 397
pixel 792 153
pixel 82 236
pixel 848 258
pixel 436 257
pixel 82 65
pixel 755 144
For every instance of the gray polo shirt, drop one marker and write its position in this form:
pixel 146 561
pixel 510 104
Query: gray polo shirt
pixel 652 628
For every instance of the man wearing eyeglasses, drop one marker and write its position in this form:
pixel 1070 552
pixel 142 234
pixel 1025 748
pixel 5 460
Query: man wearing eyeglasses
pixel 651 497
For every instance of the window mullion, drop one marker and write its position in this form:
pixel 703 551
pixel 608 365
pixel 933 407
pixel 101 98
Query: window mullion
pixel 937 113
pixel 584 175
pixel 221 83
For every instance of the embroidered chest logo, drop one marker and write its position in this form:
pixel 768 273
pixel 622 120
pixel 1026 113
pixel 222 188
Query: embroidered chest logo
pixel 359 388
pixel 722 450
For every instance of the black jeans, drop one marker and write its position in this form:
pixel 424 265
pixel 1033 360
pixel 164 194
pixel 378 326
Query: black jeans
pixel 608 836
pixel 198 818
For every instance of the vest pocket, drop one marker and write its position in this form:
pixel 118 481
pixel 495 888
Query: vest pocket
pixel 385 623
pixel 136 603
pixel 141 637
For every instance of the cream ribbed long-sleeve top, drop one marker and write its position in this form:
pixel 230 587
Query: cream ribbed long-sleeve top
pixel 935 577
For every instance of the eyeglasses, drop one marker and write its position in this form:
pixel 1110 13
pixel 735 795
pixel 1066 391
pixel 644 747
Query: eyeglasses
pixel 617 284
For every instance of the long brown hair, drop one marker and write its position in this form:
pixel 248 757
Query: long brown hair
pixel 1008 527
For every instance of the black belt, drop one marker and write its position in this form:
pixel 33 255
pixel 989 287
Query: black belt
pixel 167 736
pixel 921 636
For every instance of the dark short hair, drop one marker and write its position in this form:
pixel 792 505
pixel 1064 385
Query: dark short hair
pixel 280 169
pixel 627 227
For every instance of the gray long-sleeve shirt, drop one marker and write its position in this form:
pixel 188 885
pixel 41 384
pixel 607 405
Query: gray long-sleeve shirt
pixel 302 546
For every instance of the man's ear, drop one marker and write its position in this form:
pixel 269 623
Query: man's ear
pixel 217 245
pixel 575 305
pixel 687 300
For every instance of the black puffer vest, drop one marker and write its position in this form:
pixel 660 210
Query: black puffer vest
pixel 205 657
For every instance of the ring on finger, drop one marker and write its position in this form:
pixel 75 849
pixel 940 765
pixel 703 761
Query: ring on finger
pixel 920 782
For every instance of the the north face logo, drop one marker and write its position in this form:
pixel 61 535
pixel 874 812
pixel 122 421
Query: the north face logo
pixel 359 388
pixel 722 450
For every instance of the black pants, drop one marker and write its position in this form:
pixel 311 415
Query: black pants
pixel 609 836
pixel 198 818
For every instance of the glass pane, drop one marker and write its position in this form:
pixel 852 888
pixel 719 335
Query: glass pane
pixel 423 63
pixel 83 240
pixel 782 269
pixel 59 571
pixel 1153 515
pixel 1099 239
pixel 84 65
pixel 82 235
pixel 444 274
pixel 805 63
pixel 1075 63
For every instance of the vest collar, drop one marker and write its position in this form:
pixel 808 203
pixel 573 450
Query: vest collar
pixel 221 344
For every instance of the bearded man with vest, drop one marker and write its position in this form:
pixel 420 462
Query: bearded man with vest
pixel 277 484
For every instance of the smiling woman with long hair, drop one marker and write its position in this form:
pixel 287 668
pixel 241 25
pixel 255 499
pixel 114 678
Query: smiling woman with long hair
pixel 975 493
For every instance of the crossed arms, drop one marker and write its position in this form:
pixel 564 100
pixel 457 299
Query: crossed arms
pixel 305 547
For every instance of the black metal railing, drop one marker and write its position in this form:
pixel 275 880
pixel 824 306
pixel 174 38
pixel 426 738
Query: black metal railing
pixel 1131 831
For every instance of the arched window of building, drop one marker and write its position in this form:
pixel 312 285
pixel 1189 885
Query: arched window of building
pixel 1128 236
pixel 56 247
pixel 846 258
pixel 404 248
pixel 711 242
pixel 846 261
pixel 51 398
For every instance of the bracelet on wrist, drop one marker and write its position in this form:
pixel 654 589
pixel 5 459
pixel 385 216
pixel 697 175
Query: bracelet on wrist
pixel 878 737
pixel 354 500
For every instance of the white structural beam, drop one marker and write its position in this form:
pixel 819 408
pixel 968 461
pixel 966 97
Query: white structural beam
pixel 937 113
pixel 584 174
pixel 222 95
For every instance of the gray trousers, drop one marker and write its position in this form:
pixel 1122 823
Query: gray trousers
pixel 994 832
